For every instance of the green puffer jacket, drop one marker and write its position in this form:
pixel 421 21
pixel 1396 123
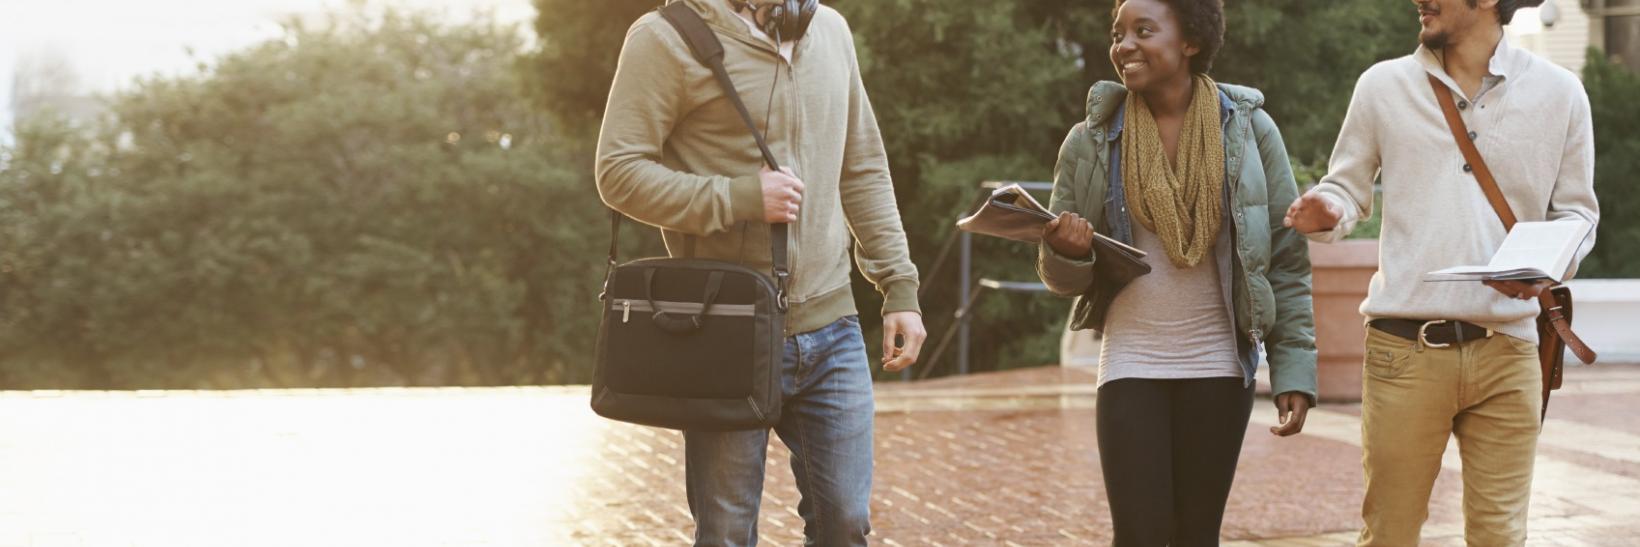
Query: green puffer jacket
pixel 1270 275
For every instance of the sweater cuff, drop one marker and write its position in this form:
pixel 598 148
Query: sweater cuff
pixel 746 198
pixel 900 296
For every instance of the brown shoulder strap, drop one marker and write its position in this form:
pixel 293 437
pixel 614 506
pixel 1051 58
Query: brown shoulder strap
pixel 1477 165
pixel 1483 175
pixel 1559 319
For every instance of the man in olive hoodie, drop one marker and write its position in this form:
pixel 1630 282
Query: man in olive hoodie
pixel 673 153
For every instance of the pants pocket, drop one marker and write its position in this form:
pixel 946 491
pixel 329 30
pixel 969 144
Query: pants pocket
pixel 1520 346
pixel 1387 354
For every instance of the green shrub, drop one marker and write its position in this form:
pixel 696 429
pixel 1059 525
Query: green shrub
pixel 1612 91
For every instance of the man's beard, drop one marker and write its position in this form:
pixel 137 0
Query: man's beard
pixel 1438 40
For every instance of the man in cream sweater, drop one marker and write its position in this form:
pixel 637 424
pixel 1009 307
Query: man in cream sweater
pixel 1473 372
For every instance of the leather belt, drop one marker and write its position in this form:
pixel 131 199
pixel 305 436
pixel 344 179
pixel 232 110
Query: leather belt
pixel 1436 333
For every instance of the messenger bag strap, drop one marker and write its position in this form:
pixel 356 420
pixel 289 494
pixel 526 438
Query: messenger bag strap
pixel 709 51
pixel 1494 195
pixel 1472 155
pixel 614 247
pixel 1563 326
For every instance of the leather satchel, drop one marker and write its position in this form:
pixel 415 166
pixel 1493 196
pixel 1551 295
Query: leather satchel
pixel 688 343
pixel 1554 321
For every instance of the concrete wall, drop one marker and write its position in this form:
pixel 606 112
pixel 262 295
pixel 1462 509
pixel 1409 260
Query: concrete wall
pixel 1606 315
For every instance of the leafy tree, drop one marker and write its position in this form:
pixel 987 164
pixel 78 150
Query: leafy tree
pixel 570 71
pixel 367 200
pixel 969 92
pixel 1306 57
pixel 1612 88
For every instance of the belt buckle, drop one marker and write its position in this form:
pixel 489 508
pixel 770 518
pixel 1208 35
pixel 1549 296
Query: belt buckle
pixel 1423 331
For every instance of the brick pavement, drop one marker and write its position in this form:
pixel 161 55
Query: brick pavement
pixel 994 459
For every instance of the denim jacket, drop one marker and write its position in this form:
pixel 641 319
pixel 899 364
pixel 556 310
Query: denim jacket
pixel 1265 273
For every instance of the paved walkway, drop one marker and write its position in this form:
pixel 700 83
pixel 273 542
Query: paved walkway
pixel 994 459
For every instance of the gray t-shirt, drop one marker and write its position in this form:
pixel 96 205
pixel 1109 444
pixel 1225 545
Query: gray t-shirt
pixel 1171 323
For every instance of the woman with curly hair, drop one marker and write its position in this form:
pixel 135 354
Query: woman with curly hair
pixel 1191 172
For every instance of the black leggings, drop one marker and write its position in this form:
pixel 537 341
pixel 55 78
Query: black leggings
pixel 1168 449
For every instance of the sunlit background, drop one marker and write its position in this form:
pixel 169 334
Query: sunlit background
pixel 389 468
pixel 311 193
pixel 104 44
pixel 215 207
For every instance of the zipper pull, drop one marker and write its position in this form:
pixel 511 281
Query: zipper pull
pixel 1255 333
pixel 626 310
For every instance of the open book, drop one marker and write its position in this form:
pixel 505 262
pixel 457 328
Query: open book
pixel 1533 250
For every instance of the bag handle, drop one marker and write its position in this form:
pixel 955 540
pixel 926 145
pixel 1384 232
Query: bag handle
pixel 1489 186
pixel 682 323
pixel 704 44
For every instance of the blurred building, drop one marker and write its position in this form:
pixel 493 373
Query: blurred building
pixel 1562 30
pixel 1618 29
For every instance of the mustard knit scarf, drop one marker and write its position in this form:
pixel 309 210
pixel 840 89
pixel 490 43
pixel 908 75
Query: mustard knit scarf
pixel 1183 202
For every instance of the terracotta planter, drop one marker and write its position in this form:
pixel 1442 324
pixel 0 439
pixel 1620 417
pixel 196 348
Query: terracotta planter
pixel 1341 273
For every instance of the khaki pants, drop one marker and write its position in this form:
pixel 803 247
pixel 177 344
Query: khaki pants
pixel 1413 397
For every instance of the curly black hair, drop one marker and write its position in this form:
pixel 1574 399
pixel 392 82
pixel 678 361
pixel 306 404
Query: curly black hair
pixel 1203 22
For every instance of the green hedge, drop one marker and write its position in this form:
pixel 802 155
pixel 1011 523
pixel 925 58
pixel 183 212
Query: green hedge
pixel 1613 89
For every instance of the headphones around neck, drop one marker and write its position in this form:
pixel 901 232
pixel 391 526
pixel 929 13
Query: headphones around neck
pixel 786 19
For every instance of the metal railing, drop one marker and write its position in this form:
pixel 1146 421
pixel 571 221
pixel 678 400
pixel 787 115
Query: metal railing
pixel 970 290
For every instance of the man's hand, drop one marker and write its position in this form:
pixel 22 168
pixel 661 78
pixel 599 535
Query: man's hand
pixel 782 195
pixel 1291 408
pixel 1520 289
pixel 908 326
pixel 1070 235
pixel 1312 213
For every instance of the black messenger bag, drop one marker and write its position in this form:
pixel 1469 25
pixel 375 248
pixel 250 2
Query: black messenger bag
pixel 693 343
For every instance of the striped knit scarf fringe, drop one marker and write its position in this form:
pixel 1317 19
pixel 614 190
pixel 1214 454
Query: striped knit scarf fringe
pixel 1181 203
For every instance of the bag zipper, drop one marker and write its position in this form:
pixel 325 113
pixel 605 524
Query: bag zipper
pixel 627 306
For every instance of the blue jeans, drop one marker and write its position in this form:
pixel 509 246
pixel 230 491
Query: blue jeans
pixel 826 421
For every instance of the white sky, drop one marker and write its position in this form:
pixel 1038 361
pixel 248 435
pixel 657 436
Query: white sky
pixel 110 42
